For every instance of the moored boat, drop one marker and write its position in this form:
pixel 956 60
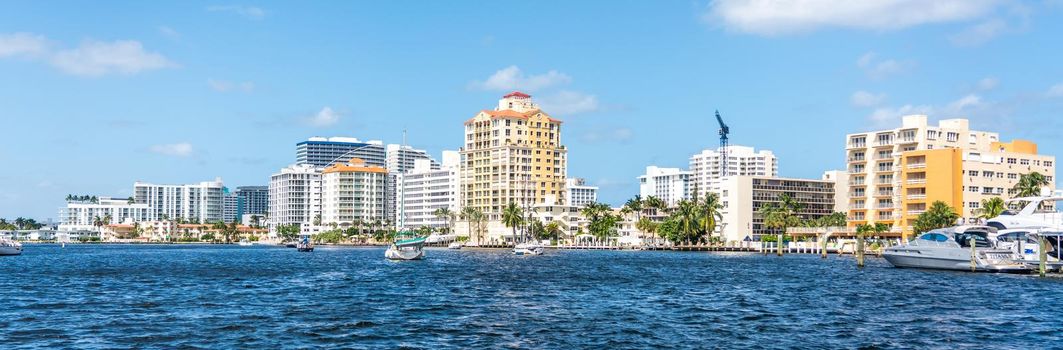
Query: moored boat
pixel 528 248
pixel 305 245
pixel 9 247
pixel 454 245
pixel 950 249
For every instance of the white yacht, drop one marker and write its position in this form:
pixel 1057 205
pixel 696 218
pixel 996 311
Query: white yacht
pixel 528 248
pixel 1024 243
pixel 244 243
pixel 1032 215
pixel 406 249
pixel 454 245
pixel 9 247
pixel 950 249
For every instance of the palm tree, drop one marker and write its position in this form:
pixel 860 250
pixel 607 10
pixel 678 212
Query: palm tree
pixel 655 203
pixel 553 229
pixel 1030 185
pixel 710 212
pixel 98 222
pixel 687 215
pixel 469 214
pixel 991 208
pixel 20 222
pixel 317 220
pixel 939 215
pixel 636 205
pixel 447 216
pixel 513 216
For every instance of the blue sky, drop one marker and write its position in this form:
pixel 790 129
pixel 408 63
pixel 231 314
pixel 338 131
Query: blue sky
pixel 95 97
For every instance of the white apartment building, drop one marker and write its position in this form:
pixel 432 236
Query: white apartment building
pixel 401 159
pixel 741 161
pixel 295 197
pixel 670 185
pixel 743 196
pixel 423 190
pixel 81 215
pixel 201 202
pixel 352 192
pixel 231 206
pixel 579 193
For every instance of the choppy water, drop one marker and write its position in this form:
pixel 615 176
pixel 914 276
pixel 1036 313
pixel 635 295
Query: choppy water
pixel 100 296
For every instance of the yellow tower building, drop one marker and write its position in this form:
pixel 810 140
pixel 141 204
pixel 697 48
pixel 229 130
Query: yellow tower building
pixel 512 154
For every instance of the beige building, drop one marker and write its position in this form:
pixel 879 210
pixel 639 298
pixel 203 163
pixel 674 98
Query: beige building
pixel 743 196
pixel 895 174
pixel 352 191
pixel 512 154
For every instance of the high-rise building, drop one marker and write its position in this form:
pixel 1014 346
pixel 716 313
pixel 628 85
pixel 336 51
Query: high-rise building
pixel 322 152
pixel 670 185
pixel 352 192
pixel 741 161
pixel 81 215
pixel 579 193
pixel 255 200
pixel 512 154
pixel 423 190
pixel 896 174
pixel 202 202
pixel 401 159
pixel 295 198
pixel 743 196
pixel 231 205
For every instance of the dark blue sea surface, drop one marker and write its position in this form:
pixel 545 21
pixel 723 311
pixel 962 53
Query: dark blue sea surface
pixel 180 296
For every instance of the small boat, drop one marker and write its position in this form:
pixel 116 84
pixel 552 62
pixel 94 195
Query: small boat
pixel 244 243
pixel 9 247
pixel 1025 243
pixel 454 245
pixel 406 249
pixel 290 245
pixel 528 248
pixel 950 249
pixel 305 245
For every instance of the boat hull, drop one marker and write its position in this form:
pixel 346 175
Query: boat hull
pixel 909 260
pixel 407 253
pixel 8 251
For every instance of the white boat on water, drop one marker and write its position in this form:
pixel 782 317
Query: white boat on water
pixel 455 245
pixel 244 243
pixel 9 247
pixel 528 248
pixel 950 249
pixel 1025 243
pixel 406 249
pixel 1032 215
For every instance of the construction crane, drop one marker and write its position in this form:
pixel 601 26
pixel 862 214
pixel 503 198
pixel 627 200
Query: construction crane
pixel 724 131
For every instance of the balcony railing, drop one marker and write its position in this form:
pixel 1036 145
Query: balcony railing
pixel 917 166
pixel 916 181
pixel 916 212
pixel 916 196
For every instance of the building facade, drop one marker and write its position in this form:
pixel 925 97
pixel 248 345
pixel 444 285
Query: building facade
pixel 579 193
pixel 322 152
pixel 401 159
pixel 512 154
pixel 202 202
pixel 743 196
pixel 295 198
pixel 231 205
pixel 423 190
pixel 81 215
pixel 255 200
pixel 352 192
pixel 895 174
pixel 670 185
pixel 741 161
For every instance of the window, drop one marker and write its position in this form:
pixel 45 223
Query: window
pixel 952 136
pixel 972 173
pixel 972 188
pixel 1024 162
pixel 1011 160
pixel 1048 163
pixel 973 205
pixel 1013 176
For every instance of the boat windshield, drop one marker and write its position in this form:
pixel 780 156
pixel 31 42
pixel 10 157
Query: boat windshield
pixel 980 240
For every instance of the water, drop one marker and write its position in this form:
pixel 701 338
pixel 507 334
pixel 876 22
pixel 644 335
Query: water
pixel 110 296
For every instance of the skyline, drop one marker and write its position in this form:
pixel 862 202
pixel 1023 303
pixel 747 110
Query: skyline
pixel 187 92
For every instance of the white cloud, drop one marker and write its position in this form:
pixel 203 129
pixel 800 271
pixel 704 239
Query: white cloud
pixel 889 117
pixel 251 12
pixel 568 103
pixel 183 149
pixel 979 33
pixel 988 83
pixel 1056 90
pixel 880 69
pixel 964 103
pixel 325 117
pixel 866 99
pixel 96 58
pixel 226 86
pixel 169 32
pixel 22 44
pixel 967 106
pixel 512 78
pixel 782 17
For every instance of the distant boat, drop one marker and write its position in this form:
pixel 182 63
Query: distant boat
pixel 406 249
pixel 454 245
pixel 244 243
pixel 528 248
pixel 9 247
pixel 305 245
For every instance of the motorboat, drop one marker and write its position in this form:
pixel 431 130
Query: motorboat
pixel 244 243
pixel 528 248
pixel 406 249
pixel 305 245
pixel 1032 215
pixel 455 245
pixel 9 247
pixel 1025 244
pixel 950 249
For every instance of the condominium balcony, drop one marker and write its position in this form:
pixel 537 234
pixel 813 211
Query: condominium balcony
pixel 916 212
pixel 884 194
pixel 917 166
pixel 917 196
pixel 857 195
pixel 885 169
pixel 857 145
pixel 884 206
pixel 916 181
